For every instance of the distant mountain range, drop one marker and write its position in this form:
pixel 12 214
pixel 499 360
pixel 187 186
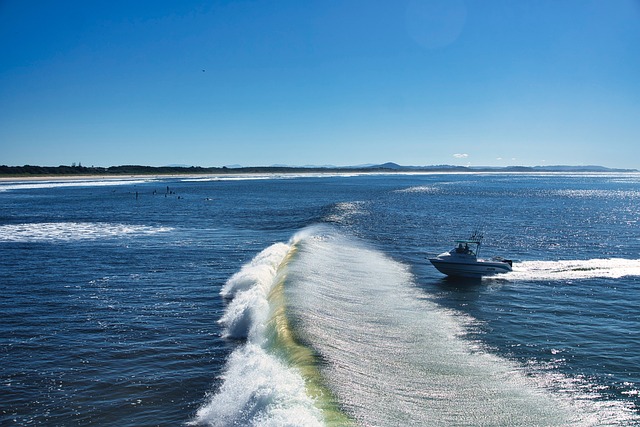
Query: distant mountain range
pixel 555 168
pixel 453 168
pixel 29 170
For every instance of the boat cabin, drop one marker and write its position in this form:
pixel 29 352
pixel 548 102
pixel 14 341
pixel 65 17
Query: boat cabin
pixel 466 247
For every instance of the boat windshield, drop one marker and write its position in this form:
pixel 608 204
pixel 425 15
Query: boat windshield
pixel 466 247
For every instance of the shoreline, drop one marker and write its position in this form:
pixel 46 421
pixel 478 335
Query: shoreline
pixel 69 178
pixel 227 175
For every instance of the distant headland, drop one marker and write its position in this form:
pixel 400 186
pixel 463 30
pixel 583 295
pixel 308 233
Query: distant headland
pixel 79 170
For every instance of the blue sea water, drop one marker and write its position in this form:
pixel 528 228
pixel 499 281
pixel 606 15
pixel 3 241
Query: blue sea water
pixel 308 300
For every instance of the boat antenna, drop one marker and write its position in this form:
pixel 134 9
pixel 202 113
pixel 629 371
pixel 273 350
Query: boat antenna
pixel 477 237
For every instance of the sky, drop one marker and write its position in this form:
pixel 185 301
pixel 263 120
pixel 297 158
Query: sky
pixel 320 82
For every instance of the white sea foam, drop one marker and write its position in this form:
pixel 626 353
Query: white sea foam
pixel 71 231
pixel 420 189
pixel 573 269
pixel 229 178
pixel 31 185
pixel 258 388
pixel 271 176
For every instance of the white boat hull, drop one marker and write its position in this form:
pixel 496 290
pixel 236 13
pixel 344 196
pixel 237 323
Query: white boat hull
pixel 469 268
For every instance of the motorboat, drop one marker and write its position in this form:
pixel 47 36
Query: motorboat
pixel 463 260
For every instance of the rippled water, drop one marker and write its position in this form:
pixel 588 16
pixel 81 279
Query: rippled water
pixel 308 300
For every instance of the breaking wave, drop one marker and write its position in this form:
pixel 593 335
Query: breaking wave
pixel 336 333
pixel 271 379
pixel 32 185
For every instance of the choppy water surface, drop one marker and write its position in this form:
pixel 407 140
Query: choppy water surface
pixel 308 300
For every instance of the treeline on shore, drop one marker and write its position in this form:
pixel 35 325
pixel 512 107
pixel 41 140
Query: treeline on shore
pixel 29 170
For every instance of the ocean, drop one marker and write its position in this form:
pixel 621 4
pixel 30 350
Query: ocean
pixel 308 300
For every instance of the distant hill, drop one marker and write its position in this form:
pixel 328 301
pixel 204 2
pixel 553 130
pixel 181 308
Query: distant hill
pixel 591 168
pixel 449 168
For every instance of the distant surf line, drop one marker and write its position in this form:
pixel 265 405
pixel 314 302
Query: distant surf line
pixel 73 231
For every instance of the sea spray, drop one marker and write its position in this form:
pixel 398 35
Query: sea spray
pixel 248 311
pixel 272 379
pixel 259 390
pixel 392 357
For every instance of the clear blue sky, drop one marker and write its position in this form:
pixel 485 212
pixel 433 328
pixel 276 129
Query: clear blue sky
pixel 342 82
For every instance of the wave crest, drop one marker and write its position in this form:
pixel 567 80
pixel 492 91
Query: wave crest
pixel 260 386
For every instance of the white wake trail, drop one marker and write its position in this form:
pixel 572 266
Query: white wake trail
pixel 613 268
